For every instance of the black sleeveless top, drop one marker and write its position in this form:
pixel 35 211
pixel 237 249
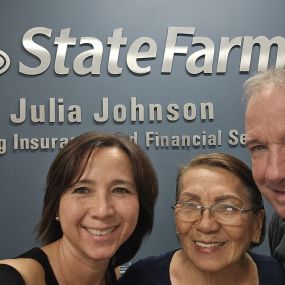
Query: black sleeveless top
pixel 38 255
pixel 10 276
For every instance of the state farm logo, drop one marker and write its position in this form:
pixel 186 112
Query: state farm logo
pixel 4 62
pixel 201 54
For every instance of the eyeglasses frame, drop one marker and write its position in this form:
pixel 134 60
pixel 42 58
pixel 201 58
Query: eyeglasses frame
pixel 209 207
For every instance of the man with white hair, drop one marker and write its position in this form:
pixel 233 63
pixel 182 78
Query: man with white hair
pixel 265 139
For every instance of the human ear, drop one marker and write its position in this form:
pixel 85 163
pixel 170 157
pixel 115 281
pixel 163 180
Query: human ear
pixel 259 218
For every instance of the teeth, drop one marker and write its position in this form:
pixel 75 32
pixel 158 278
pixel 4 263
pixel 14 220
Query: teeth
pixel 209 245
pixel 98 232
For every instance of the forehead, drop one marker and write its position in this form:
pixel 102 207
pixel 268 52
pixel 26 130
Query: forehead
pixel 265 113
pixel 211 183
pixel 266 101
pixel 108 154
pixel 109 160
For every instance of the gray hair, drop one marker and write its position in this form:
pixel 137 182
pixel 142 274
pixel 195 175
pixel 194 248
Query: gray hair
pixel 268 79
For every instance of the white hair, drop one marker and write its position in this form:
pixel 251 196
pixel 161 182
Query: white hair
pixel 268 79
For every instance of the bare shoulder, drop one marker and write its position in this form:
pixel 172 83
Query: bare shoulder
pixel 31 271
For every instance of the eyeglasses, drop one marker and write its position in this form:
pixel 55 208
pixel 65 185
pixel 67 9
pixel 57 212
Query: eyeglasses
pixel 224 213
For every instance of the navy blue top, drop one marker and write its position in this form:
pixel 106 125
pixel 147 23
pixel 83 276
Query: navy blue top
pixel 155 271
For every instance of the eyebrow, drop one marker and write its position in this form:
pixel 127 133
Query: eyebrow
pixel 217 199
pixel 226 197
pixel 250 141
pixel 191 195
pixel 114 182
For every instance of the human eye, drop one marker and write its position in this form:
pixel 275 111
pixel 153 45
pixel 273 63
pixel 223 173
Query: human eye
pixel 258 147
pixel 121 190
pixel 190 206
pixel 255 148
pixel 81 190
pixel 226 209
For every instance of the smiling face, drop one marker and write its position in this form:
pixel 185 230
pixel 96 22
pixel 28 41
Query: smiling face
pixel 100 212
pixel 208 244
pixel 265 133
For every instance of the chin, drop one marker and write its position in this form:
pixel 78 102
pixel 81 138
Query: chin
pixel 280 210
pixel 101 254
pixel 101 257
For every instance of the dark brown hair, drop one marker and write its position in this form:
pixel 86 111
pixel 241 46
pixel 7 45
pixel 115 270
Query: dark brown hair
pixel 67 167
pixel 235 167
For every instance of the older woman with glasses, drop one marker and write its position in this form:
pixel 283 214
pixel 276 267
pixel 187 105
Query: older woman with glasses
pixel 219 217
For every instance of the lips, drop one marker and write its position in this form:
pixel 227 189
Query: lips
pixel 209 244
pixel 276 187
pixel 100 232
pixel 279 194
pixel 278 191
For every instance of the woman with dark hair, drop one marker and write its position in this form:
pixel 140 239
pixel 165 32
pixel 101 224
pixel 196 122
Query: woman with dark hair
pixel 98 206
pixel 219 217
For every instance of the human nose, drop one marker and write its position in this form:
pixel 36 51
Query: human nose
pixel 207 223
pixel 275 166
pixel 102 206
